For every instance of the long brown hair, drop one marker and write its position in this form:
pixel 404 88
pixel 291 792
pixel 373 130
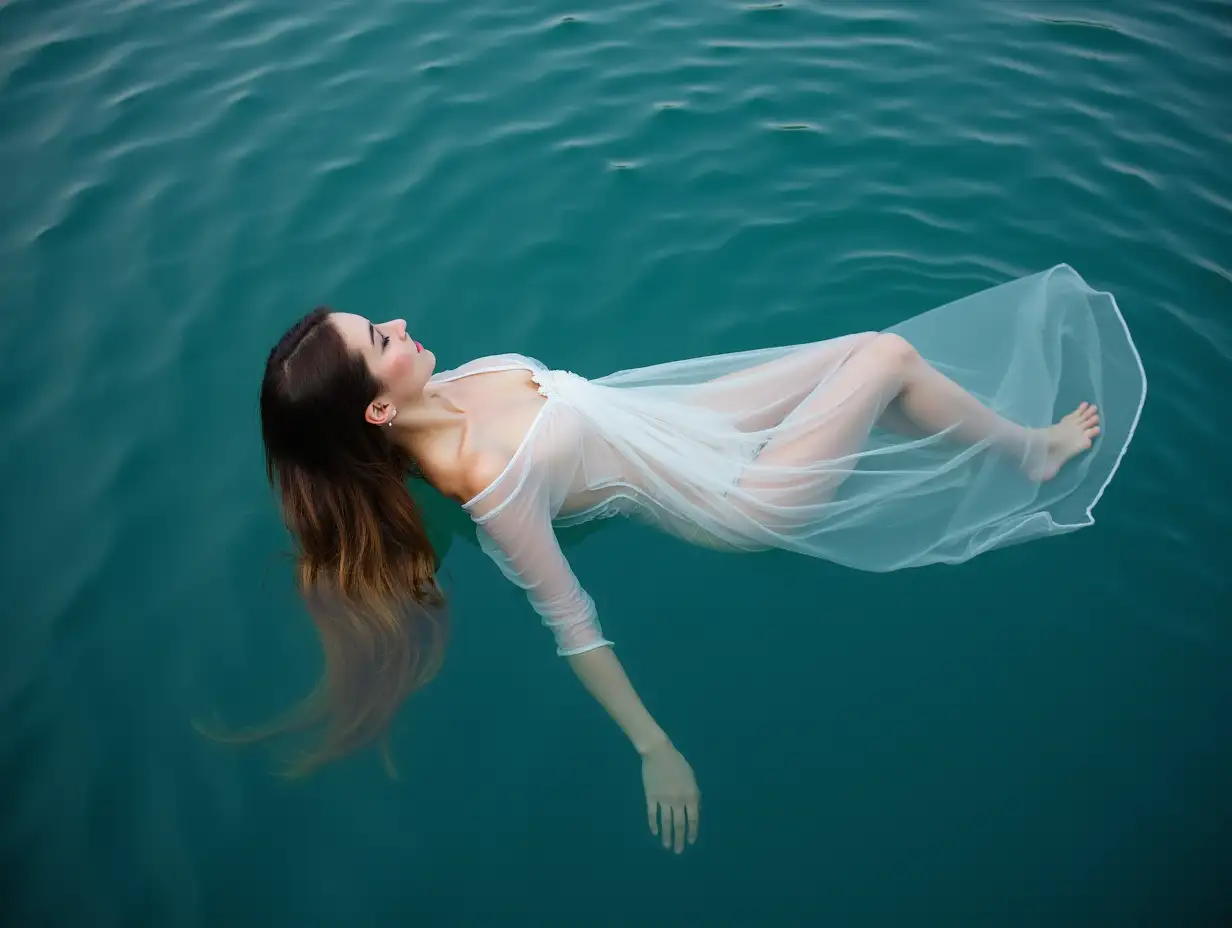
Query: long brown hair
pixel 364 564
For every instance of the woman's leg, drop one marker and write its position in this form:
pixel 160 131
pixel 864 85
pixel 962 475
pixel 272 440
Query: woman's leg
pixel 831 424
pixel 760 396
pixel 936 404
pixel 835 419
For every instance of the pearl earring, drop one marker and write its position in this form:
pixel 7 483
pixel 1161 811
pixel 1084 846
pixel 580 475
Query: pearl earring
pixel 390 423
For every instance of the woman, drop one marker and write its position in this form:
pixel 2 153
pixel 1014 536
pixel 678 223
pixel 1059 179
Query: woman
pixel 930 442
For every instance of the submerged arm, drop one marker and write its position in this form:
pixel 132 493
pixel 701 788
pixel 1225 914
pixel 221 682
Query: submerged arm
pixel 604 678
pixel 672 797
pixel 523 544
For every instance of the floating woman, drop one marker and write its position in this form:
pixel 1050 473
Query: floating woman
pixel 986 422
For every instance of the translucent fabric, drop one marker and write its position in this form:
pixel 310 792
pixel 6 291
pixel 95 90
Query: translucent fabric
pixel 824 448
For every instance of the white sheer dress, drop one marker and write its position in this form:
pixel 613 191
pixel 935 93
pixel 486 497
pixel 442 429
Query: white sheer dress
pixel 684 446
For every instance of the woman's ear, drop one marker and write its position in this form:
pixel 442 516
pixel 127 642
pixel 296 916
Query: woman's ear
pixel 380 412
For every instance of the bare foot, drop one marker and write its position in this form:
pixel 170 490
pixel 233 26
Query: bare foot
pixel 1069 437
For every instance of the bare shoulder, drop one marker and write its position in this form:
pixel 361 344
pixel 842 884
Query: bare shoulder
pixel 464 474
pixel 481 468
pixel 502 406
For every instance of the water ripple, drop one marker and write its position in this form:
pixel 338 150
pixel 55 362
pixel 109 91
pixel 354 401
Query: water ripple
pixel 639 177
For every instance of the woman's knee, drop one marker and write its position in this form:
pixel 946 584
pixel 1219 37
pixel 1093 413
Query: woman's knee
pixel 894 351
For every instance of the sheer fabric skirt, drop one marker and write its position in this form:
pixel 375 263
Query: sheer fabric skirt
pixel 811 448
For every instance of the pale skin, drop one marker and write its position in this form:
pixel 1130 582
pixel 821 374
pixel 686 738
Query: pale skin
pixel 464 432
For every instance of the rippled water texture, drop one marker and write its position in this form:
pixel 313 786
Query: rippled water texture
pixel 1039 737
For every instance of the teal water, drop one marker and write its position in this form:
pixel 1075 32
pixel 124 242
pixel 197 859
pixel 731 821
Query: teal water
pixel 1038 737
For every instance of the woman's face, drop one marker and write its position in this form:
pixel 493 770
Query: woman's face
pixel 394 358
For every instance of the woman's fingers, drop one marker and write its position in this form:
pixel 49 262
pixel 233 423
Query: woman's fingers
pixel 675 823
pixel 678 815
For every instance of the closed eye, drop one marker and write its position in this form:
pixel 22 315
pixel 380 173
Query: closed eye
pixel 372 336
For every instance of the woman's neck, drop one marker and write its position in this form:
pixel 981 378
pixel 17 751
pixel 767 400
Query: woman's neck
pixel 427 422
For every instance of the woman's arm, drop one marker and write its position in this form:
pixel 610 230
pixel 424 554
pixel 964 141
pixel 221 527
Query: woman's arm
pixel 672 798
pixel 520 538
pixel 604 678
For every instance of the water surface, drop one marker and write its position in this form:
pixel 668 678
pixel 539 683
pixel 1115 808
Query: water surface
pixel 1039 737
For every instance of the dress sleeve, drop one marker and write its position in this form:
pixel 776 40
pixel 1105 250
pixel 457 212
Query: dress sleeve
pixel 514 528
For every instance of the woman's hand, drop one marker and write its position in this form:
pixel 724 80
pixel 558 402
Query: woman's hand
pixel 671 792
pixel 672 798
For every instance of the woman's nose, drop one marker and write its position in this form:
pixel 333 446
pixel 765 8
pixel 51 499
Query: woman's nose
pixel 399 327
